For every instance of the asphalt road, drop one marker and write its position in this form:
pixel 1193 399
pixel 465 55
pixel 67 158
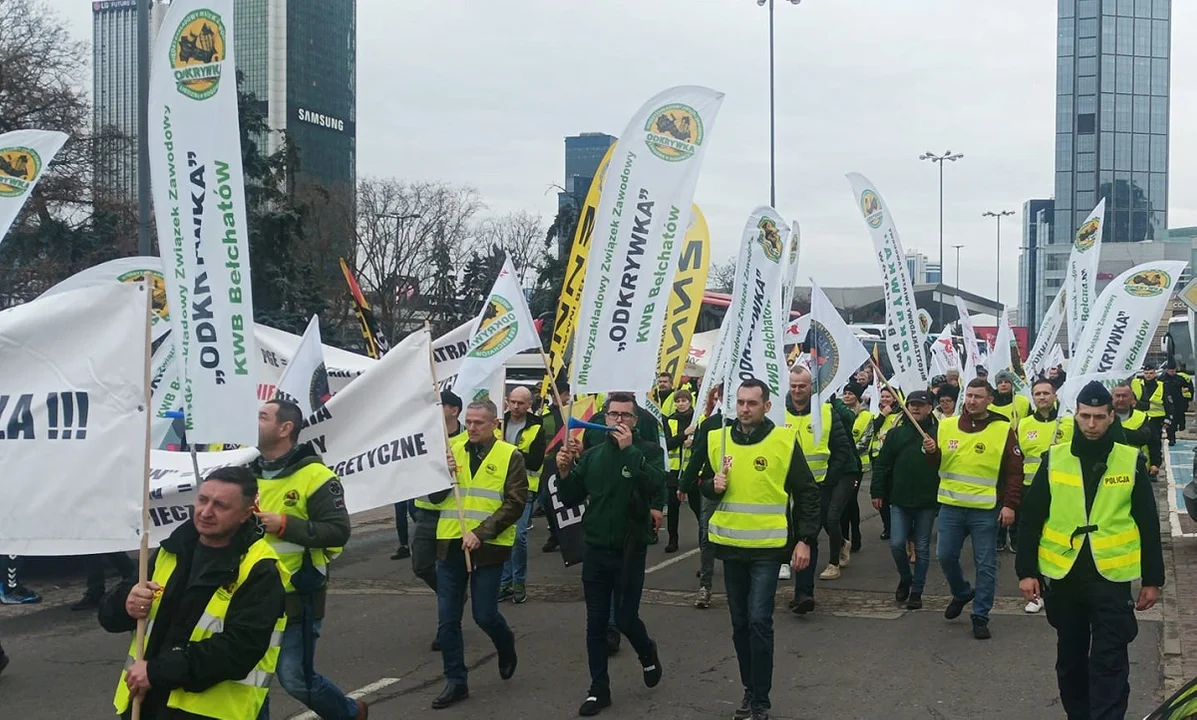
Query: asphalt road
pixel 858 656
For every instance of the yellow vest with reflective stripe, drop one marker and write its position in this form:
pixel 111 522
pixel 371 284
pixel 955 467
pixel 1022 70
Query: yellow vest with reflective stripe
pixel 752 511
pixel 859 426
pixel 1134 421
pixel 879 437
pixel 1155 403
pixel 527 437
pixel 1035 436
pixel 423 502
pixel 289 495
pixel 1111 530
pixel 232 699
pixel 970 464
pixel 481 494
pixel 1019 408
pixel 817 456
pixel 675 455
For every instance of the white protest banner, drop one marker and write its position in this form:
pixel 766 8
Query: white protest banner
pixel 382 436
pixel 903 336
pixel 754 321
pixel 716 370
pixel 642 216
pixel 944 349
pixel 277 348
pixel 73 422
pixel 972 353
pixel 503 329
pixel 835 354
pixel 24 156
pixel 199 206
pixel 796 329
pixel 1080 278
pixel 1056 357
pixel 702 348
pixel 794 245
pixel 1000 359
pixel 1049 329
pixel 127 270
pixel 449 351
pixel 305 381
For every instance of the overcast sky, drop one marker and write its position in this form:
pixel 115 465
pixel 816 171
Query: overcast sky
pixel 482 92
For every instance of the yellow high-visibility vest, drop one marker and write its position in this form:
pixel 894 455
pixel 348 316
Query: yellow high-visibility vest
pixel 879 437
pixel 481 494
pixel 289 495
pixel 1155 403
pixel 752 511
pixel 863 419
pixel 1111 530
pixel 423 502
pixel 970 464
pixel 1035 436
pixel 818 456
pixel 527 436
pixel 1019 408
pixel 1133 422
pixel 675 455
pixel 232 699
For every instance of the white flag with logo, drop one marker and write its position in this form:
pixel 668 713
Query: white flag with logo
pixel 1049 329
pixel 835 354
pixel 24 156
pixel 73 422
pixel 972 353
pixel 903 335
pixel 944 349
pixel 503 329
pixel 449 352
pixel 1080 278
pixel 199 205
pixel 643 214
pixel 305 381
pixel 755 321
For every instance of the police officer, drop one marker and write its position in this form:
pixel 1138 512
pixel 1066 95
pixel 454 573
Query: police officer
pixel 1089 529
pixel 766 496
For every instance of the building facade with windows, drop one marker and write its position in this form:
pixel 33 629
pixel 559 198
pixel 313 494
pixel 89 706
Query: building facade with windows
pixel 1037 217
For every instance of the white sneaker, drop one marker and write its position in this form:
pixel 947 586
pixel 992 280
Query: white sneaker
pixel 784 573
pixel 845 556
pixel 831 572
pixel 1034 606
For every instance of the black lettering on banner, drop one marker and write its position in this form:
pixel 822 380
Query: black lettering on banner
pixel 167 515
pixel 565 518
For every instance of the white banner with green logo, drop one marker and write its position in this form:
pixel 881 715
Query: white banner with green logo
pixel 24 156
pixel 1045 341
pixel 199 206
pixel 755 325
pixel 642 217
pixel 502 329
pixel 903 336
pixel 1080 279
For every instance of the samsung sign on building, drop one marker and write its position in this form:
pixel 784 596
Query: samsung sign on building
pixel 320 120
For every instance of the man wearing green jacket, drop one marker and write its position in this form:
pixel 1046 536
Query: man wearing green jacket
pixel 901 473
pixel 623 481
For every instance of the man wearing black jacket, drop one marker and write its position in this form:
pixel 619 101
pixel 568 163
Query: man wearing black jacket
pixel 1089 528
pixel 215 607
pixel 768 513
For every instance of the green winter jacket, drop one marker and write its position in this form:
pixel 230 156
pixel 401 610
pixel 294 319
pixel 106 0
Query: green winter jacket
pixel 901 472
pixel 619 487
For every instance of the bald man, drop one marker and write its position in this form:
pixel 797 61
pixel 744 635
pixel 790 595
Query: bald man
pixel 522 429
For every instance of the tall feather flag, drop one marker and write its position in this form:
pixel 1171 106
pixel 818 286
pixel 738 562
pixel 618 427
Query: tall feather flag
pixel 835 354
pixel 376 342
pixel 503 328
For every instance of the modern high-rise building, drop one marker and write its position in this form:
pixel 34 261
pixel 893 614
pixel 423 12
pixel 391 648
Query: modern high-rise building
pixel 921 270
pixel 583 153
pixel 115 97
pixel 1037 216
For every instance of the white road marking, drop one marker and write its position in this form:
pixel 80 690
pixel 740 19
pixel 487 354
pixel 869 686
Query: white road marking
pixel 355 695
pixel 672 561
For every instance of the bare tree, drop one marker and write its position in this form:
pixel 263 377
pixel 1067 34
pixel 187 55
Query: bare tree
pixel 519 235
pixel 722 276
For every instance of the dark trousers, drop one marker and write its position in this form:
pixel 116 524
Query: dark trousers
pixel 832 500
pixel 674 505
pixel 751 588
pixel 850 520
pixel 401 511
pixel 1157 426
pixel 612 576
pixel 483 582
pixel 1094 622
pixel 95 570
pixel 423 545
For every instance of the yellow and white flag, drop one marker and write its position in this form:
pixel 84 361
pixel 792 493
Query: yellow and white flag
pixel 503 329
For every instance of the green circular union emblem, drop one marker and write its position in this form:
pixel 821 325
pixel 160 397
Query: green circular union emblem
pixel 870 207
pixel 197 54
pixel 1148 283
pixel 498 328
pixel 19 166
pixel 157 286
pixel 769 238
pixel 674 132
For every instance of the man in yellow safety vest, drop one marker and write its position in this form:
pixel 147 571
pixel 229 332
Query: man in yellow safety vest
pixel 214 572
pixel 1149 389
pixel 1132 428
pixel 1089 530
pixel 524 430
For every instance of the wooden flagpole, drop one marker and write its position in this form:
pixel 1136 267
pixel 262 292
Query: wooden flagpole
pixel 445 430
pixel 143 555
pixel 881 377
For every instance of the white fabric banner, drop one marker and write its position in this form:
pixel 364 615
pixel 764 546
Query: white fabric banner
pixel 794 244
pixel 1000 359
pixel 383 436
pixel 503 329
pixel 305 381
pixel 1056 358
pixel 1080 278
pixel 643 214
pixel 448 353
pixel 835 354
pixel 972 353
pixel 24 157
pixel 277 348
pixel 903 336
pixel 73 422
pixel 199 205
pixel 755 322
pixel 945 350
pixel 1049 329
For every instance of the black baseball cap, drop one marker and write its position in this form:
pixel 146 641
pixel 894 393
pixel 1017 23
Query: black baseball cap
pixel 920 396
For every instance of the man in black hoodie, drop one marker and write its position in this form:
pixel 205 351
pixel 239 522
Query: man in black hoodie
pixel 1089 528
pixel 768 513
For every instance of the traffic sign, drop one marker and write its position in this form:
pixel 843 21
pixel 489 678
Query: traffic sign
pixel 1189 295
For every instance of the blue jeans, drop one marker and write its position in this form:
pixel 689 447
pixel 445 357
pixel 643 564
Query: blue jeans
pixel 515 570
pixel 321 696
pixel 955 524
pixel 401 510
pixel 912 524
pixel 451 580
pixel 751 588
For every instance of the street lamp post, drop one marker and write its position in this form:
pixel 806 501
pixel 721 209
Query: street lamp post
pixel 998 271
pixel 957 265
pixel 772 115
pixel 939 160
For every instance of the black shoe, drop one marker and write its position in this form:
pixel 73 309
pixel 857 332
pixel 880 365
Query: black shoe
pixel 506 593
pixel 803 604
pixel 856 546
pixel 451 695
pixel 915 602
pixel 652 668
pixel 3 661
pixel 613 638
pixel 760 713
pixel 402 553
pixel 671 547
pixel 90 601
pixel 551 545
pixel 956 606
pixel 507 664
pixel 981 630
pixel 1013 547
pixel 903 591
pixel 745 710
pixel 436 645
pixel 885 534
pixel 594 705
pixel 656 539
pixel 538 511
